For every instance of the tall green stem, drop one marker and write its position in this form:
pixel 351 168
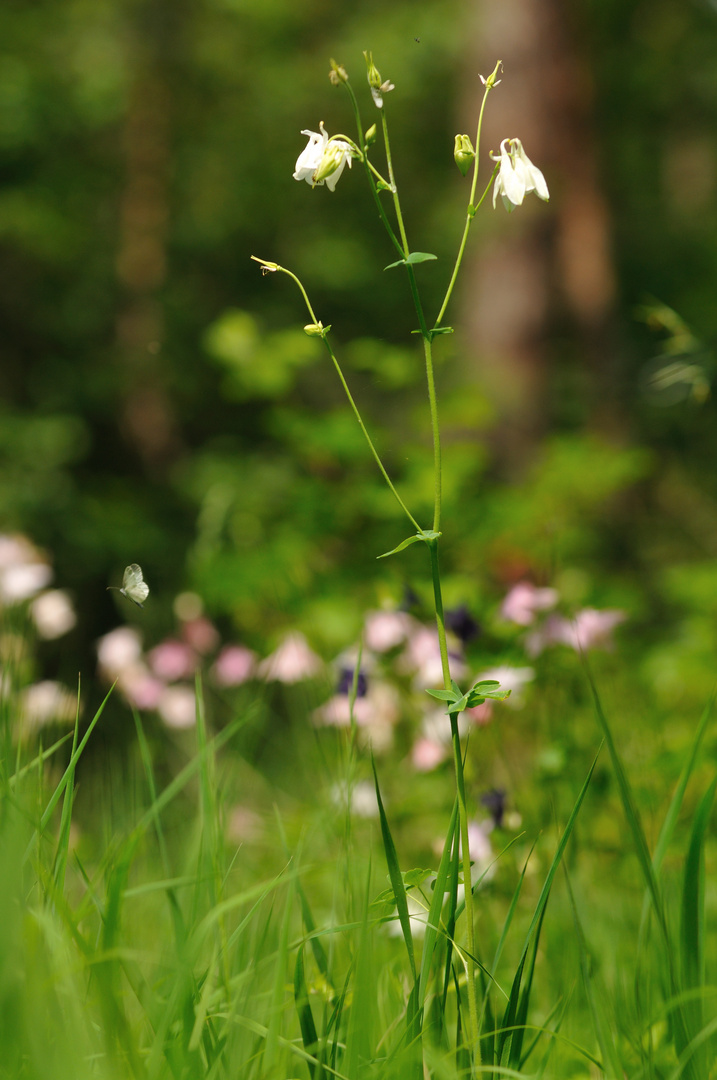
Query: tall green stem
pixel 472 206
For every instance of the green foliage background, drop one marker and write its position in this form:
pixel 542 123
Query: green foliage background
pixel 262 496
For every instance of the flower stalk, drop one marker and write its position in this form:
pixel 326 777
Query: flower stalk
pixel 322 162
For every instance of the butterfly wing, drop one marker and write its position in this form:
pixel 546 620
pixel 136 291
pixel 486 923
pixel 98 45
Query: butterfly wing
pixel 134 587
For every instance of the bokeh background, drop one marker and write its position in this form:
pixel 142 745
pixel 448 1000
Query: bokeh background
pixel 160 404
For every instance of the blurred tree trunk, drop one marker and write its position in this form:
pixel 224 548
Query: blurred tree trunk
pixel 545 275
pixel 147 418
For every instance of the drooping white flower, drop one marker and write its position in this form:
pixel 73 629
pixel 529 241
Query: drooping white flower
pixel 517 176
pixel 322 160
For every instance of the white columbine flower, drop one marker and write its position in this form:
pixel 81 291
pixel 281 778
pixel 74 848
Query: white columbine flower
pixel 323 159
pixel 517 176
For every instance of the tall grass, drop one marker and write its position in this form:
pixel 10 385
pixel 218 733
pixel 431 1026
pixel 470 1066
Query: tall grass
pixel 156 955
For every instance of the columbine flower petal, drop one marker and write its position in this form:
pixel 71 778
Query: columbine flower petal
pixel 309 159
pixel 517 176
pixel 322 160
pixel 536 180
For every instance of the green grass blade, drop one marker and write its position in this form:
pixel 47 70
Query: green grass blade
pixel 396 879
pixel 632 815
pixel 596 1000
pixel 692 926
pixel 309 1034
pixel 668 826
pixel 434 912
pixel 511 1010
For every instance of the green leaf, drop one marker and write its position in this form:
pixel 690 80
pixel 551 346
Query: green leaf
pixel 420 256
pixel 441 330
pixel 412 259
pixel 404 544
pixel 425 534
pixel 443 695
pixel 411 878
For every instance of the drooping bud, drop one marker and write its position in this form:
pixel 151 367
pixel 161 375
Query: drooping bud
pixel 338 73
pixel 463 153
pixel 372 73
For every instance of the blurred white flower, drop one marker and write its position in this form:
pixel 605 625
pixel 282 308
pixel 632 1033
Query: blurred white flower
pixel 417 915
pixel 46 702
pixel 234 665
pixel 362 797
pixel 322 160
pixel 118 649
pixel 20 581
pixel 517 175
pixel 524 600
pixel 177 707
pixel 514 679
pixel 53 614
pixel 292 662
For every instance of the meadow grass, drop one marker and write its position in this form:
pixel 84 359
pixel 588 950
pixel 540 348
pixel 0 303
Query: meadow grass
pixel 147 947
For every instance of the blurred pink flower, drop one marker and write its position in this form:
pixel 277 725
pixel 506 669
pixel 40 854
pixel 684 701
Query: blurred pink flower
pixel 482 714
pixel 53 614
pixel 292 662
pixel 201 634
pixel 118 649
pixel 177 707
pixel 139 687
pixel 422 655
pixel 427 754
pixel 45 702
pixel 524 600
pixel 590 629
pixel 384 630
pixel 172 660
pixel 243 824
pixel 234 665
pixel 375 713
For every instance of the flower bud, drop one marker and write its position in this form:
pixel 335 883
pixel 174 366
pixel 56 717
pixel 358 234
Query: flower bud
pixel 463 153
pixel 370 136
pixel 372 73
pixel 316 329
pixel 338 73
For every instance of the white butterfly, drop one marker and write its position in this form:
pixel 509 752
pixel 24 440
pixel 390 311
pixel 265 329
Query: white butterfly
pixel 134 587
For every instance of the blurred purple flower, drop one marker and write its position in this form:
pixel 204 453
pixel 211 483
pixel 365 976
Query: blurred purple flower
pixel 462 623
pixel 346 682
